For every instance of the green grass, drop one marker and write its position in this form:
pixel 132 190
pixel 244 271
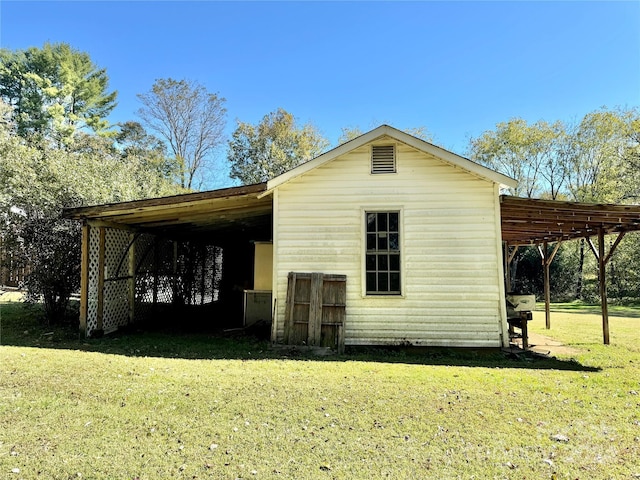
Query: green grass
pixel 623 310
pixel 162 405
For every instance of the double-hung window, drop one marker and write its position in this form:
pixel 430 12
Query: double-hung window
pixel 382 257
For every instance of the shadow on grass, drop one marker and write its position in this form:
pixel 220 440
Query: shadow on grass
pixel 20 326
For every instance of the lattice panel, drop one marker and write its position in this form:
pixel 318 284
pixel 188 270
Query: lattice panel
pixel 116 305
pixel 216 277
pixel 199 273
pixel 116 258
pixel 116 288
pixel 144 276
pixel 92 294
pixel 164 257
pixel 165 289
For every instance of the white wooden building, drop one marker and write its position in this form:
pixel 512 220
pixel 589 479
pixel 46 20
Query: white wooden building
pixel 415 231
pixel 444 259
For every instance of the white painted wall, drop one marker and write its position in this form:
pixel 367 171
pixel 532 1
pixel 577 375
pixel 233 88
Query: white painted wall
pixel 450 239
pixel 263 266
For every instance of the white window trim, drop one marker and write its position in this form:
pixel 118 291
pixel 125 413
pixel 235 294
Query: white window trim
pixel 363 250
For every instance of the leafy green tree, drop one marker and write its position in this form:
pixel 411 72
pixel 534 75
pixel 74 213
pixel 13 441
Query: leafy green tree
pixel 349 133
pixel 55 91
pixel 277 144
pixel 191 120
pixel 597 170
pixel 135 143
pixel 36 182
pixel 595 160
pixel 525 152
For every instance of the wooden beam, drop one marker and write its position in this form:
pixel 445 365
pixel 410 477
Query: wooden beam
pixel 513 252
pixel 592 247
pixel 614 246
pixel 117 226
pixel 84 278
pixel 553 253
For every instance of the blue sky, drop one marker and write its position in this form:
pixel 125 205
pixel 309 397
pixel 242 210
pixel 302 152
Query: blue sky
pixel 457 68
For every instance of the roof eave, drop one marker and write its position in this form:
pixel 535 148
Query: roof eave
pixel 95 211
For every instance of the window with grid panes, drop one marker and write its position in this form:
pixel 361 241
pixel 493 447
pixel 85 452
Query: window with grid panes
pixel 382 257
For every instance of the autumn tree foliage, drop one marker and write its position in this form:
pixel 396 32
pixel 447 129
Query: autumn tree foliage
pixel 276 144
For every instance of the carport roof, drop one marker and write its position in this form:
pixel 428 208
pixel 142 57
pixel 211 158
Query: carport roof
pixel 179 215
pixel 530 221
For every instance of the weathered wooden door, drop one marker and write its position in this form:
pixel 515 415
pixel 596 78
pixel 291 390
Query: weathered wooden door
pixel 315 310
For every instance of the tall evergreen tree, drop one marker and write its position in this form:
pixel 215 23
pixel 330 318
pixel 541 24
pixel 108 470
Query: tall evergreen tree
pixel 55 91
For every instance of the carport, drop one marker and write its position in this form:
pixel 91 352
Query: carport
pixel 548 223
pixel 141 257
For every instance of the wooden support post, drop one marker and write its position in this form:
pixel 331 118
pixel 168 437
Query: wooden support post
pixel 602 276
pixel 509 254
pixel 100 310
pixel 132 277
pixel 507 270
pixel 547 288
pixel 603 259
pixel 84 278
pixel 546 265
pixel 524 329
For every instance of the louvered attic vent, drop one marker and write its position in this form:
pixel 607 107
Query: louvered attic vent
pixel 383 159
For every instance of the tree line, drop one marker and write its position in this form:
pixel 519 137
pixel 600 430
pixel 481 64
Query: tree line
pixel 594 160
pixel 58 150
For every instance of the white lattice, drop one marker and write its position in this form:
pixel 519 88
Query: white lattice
pixel 116 304
pixel 144 276
pixel 116 288
pixel 92 294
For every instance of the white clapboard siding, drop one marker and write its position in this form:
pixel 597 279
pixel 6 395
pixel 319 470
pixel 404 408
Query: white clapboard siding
pixel 449 247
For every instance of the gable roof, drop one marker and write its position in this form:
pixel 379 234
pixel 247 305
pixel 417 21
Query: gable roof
pixel 385 130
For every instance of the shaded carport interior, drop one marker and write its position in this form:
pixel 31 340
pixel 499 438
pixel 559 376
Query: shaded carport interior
pixel 546 224
pixel 136 256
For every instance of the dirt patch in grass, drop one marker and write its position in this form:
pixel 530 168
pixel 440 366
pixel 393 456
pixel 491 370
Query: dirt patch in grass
pixel 549 346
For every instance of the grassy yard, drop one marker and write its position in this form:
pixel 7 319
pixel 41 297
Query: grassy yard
pixel 151 406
